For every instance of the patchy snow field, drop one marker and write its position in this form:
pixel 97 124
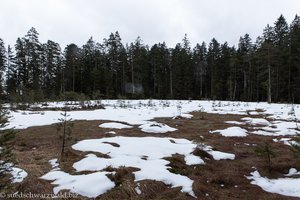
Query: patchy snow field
pixel 138 112
pixel 148 153
pixel 145 153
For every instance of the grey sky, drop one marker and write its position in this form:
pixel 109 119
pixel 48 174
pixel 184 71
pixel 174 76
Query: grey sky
pixel 67 21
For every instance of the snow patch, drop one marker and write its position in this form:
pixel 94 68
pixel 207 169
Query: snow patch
pixel 111 132
pixel 293 172
pixel 256 121
pixel 132 150
pixel 54 164
pixel 153 127
pixel 234 122
pixel 89 185
pixel 138 190
pixel 18 175
pixel 232 132
pixel 114 125
pixel 278 128
pixel 283 186
pixel 217 155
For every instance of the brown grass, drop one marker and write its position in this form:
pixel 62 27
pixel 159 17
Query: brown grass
pixel 224 179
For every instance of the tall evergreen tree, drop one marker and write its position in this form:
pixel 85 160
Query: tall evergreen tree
pixel 200 62
pixel 281 30
pixel 245 62
pixel 294 61
pixel 160 70
pixel 51 71
pixel 115 56
pixel 213 56
pixel 72 70
pixel 33 51
pixel 12 82
pixel 2 64
pixel 139 65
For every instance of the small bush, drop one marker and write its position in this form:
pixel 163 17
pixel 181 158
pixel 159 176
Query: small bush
pixel 267 152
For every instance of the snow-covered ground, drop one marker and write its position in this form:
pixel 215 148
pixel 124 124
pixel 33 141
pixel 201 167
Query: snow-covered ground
pixel 145 153
pixel 139 112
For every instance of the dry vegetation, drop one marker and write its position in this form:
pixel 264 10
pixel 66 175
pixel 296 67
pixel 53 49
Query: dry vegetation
pixel 224 179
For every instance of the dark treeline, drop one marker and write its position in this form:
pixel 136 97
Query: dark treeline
pixel 267 69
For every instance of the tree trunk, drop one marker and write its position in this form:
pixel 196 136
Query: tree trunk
pixel 269 77
pixel 269 84
pixel 171 84
pixel 132 78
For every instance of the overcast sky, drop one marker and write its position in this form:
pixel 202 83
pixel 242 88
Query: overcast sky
pixel 74 21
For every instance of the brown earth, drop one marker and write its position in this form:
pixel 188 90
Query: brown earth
pixel 225 179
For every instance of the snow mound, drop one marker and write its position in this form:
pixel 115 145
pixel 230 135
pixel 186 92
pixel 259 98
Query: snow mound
pixel 18 175
pixel 256 121
pixel 293 172
pixel 153 127
pixel 283 186
pixel 234 122
pixel 278 128
pixel 54 164
pixel 89 185
pixel 114 125
pixel 219 155
pixel 232 132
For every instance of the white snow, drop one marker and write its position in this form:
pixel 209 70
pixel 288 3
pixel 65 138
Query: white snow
pixel 286 141
pixel 278 128
pixel 18 175
pixel 153 127
pixel 219 155
pixel 111 132
pixel 137 190
pixel 293 172
pixel 147 153
pixel 232 132
pixel 131 152
pixel 138 112
pixel 114 125
pixel 234 122
pixel 54 164
pixel 89 185
pixel 256 121
pixel 254 113
pixel 283 186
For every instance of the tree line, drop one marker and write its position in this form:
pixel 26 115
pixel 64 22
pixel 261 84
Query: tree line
pixel 267 69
